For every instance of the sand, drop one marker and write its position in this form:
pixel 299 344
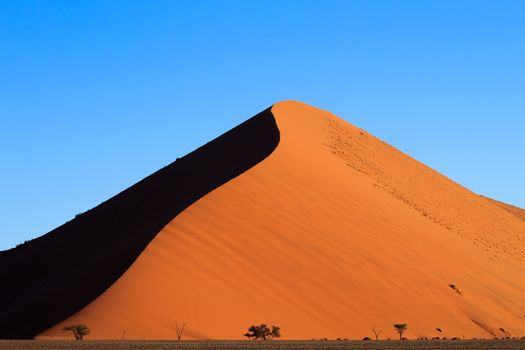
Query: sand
pixel 334 233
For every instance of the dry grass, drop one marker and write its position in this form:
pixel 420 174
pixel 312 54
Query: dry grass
pixel 264 345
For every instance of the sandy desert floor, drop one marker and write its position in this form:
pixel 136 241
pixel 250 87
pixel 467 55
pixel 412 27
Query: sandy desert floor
pixel 280 345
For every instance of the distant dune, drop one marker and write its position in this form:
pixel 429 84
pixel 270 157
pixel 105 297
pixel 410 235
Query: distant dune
pixel 295 218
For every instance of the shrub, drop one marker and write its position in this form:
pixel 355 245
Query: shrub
pixel 263 332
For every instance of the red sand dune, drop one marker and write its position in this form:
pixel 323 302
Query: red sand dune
pixel 333 233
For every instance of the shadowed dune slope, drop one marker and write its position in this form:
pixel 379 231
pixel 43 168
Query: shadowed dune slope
pixel 53 277
pixel 333 233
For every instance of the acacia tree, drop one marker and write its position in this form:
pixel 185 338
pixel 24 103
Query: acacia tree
pixel 79 330
pixel 263 332
pixel 401 328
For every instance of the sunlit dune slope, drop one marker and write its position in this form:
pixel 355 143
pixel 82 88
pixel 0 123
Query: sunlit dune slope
pixel 333 233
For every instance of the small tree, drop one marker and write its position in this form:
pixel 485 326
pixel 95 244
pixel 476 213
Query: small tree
pixel 180 330
pixel 263 332
pixel 376 332
pixel 401 328
pixel 79 330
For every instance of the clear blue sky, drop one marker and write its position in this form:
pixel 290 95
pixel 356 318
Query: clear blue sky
pixel 96 95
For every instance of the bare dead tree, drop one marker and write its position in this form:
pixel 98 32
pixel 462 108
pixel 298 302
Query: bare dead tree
pixel 376 332
pixel 180 329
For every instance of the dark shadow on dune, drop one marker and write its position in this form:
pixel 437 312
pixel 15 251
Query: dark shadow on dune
pixel 52 277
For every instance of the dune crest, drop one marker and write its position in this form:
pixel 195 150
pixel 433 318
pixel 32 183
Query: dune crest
pixel 332 233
